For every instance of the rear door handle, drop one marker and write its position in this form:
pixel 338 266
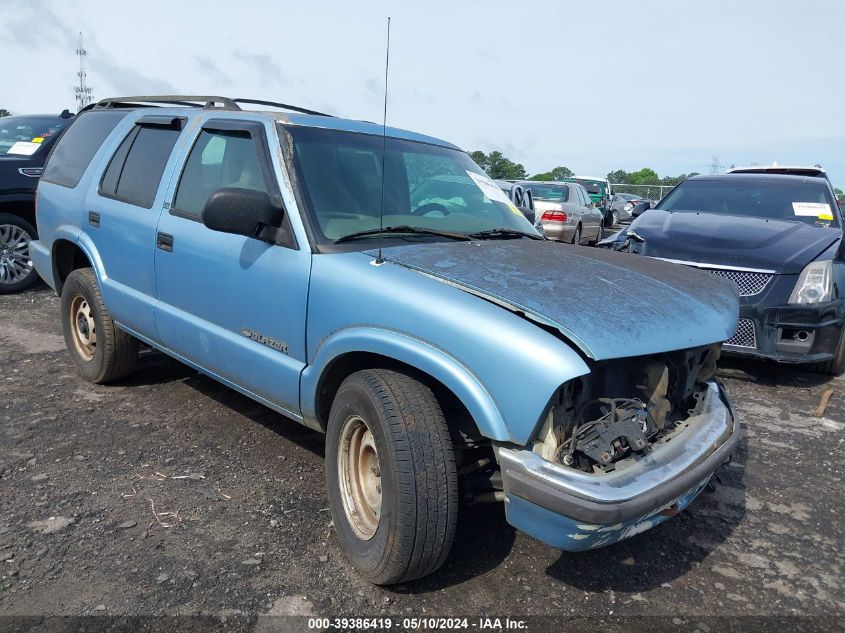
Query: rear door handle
pixel 164 242
pixel 94 219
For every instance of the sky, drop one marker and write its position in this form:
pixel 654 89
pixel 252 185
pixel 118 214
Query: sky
pixel 595 86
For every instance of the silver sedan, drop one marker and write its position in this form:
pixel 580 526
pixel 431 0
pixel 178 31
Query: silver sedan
pixel 566 212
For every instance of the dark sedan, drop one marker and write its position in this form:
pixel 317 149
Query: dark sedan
pixel 779 239
pixel 25 142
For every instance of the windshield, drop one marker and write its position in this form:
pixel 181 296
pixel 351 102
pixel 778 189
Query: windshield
pixel 22 136
pixel 425 186
pixel 595 187
pixel 550 193
pixel 792 199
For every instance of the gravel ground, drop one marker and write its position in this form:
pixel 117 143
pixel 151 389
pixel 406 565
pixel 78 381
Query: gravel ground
pixel 90 476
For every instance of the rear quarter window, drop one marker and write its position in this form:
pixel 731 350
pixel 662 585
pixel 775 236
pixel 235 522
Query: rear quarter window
pixel 74 151
pixel 135 170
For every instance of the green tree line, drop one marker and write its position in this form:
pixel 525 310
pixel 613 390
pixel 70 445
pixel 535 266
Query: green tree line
pixel 500 167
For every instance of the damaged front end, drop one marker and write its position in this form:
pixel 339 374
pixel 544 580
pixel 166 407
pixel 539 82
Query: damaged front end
pixel 621 449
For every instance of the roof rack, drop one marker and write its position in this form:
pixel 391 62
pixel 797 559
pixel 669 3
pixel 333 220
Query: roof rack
pixel 193 101
pixel 284 106
pixel 208 101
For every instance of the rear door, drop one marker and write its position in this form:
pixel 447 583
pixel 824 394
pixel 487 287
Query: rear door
pixel 120 217
pixel 232 305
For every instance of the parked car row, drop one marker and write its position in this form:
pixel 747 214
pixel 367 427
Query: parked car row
pixel 566 212
pixel 402 303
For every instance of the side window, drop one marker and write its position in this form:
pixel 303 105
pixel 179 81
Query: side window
pixel 135 170
pixel 75 150
pixel 108 185
pixel 218 159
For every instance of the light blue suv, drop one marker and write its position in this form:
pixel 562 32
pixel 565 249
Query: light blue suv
pixel 383 290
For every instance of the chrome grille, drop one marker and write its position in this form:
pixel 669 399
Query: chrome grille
pixel 749 284
pixel 745 335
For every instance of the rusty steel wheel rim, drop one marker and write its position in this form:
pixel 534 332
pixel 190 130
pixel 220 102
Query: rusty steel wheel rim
pixel 83 330
pixel 359 474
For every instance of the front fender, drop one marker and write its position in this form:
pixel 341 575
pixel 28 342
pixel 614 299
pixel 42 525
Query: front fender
pixel 414 352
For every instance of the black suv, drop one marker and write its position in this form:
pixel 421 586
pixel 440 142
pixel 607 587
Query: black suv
pixel 25 142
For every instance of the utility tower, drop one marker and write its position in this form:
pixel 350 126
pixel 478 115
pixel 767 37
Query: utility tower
pixel 715 166
pixel 83 92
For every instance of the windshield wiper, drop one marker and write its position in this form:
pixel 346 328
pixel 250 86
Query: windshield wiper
pixel 392 230
pixel 503 233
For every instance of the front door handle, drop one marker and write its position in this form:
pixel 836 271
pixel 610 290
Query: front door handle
pixel 164 242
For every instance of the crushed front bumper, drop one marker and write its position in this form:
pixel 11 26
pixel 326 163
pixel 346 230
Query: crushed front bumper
pixel 789 333
pixel 573 510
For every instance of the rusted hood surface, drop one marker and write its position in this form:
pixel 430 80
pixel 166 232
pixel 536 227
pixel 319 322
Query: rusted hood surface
pixel 608 304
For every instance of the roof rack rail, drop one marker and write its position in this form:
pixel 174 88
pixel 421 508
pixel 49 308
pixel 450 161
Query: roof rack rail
pixel 284 106
pixel 208 101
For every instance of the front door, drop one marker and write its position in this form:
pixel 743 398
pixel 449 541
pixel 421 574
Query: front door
pixel 234 306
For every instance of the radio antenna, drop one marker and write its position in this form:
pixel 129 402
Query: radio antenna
pixel 380 260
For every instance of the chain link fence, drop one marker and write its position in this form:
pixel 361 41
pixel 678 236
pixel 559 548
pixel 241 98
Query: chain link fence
pixel 649 192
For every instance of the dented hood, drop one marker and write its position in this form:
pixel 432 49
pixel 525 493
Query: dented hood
pixel 610 305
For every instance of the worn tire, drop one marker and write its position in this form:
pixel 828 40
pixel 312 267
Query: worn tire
pixel 834 366
pixel 32 277
pixel 419 485
pixel 115 352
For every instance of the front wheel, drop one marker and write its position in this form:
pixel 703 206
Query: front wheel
pixel 392 482
pixel 101 351
pixel 16 271
pixel 836 365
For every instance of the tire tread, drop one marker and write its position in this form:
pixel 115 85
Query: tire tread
pixel 120 349
pixel 424 471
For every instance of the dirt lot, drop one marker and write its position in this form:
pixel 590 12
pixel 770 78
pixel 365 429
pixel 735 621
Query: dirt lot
pixel 79 487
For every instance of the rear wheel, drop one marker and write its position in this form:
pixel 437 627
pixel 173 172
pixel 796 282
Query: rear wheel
pixel 599 234
pixel 836 365
pixel 101 351
pixel 392 482
pixel 576 237
pixel 615 218
pixel 16 271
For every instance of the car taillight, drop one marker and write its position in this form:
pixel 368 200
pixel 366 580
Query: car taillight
pixel 555 216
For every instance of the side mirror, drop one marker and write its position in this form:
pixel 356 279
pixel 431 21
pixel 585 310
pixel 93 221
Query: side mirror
pixel 241 212
pixel 640 208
